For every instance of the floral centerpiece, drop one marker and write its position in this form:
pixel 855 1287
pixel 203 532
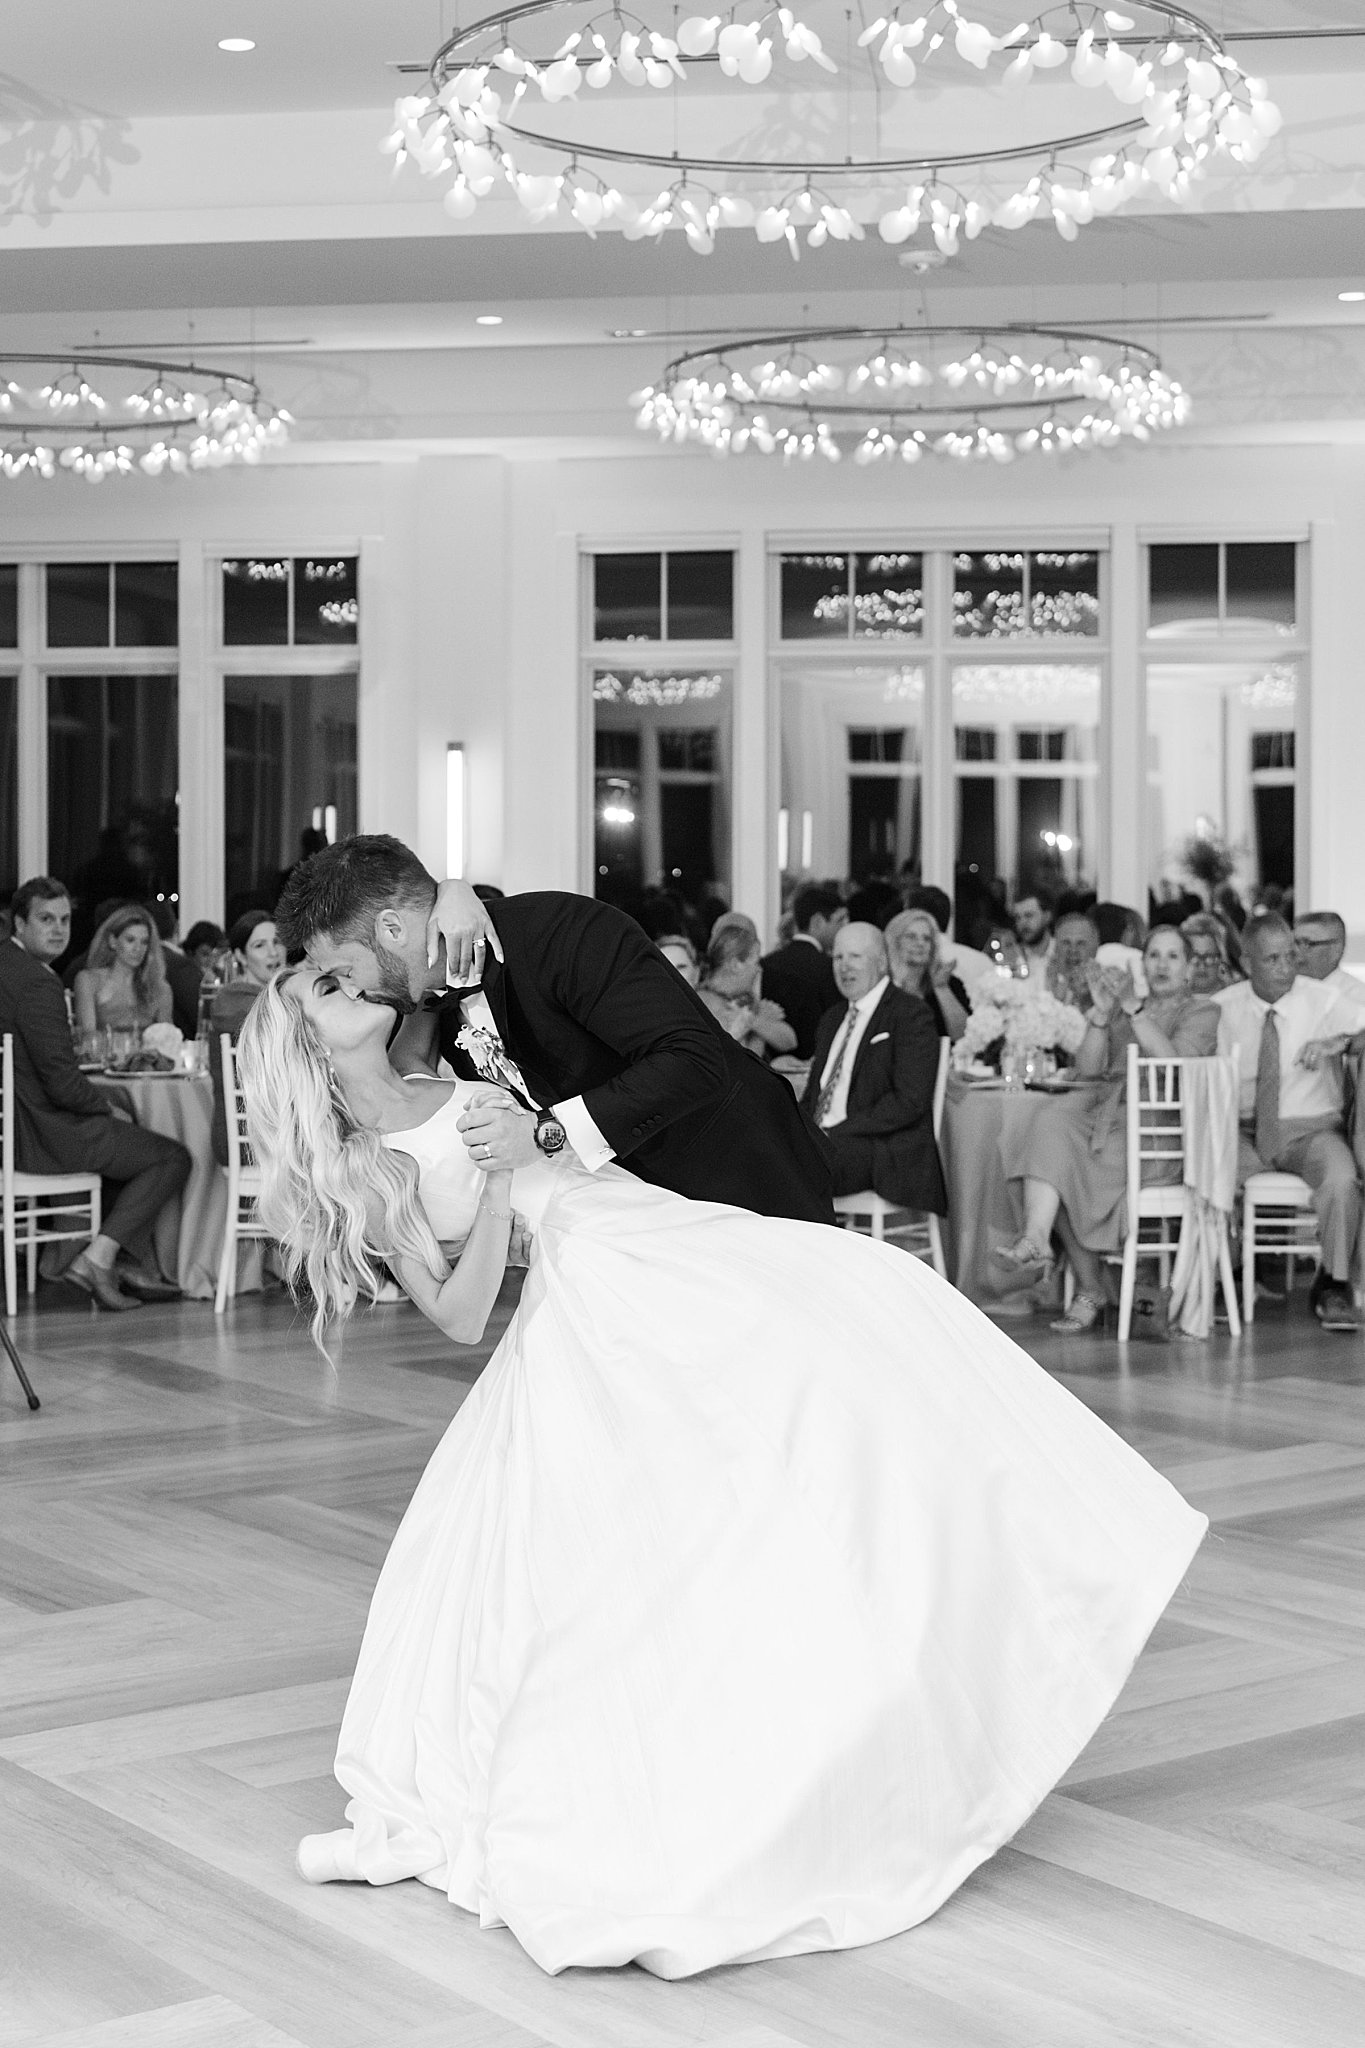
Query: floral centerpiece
pixel 1019 1018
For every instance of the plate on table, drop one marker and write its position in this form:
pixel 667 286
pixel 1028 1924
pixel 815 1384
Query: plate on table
pixel 1056 1084
pixel 979 1075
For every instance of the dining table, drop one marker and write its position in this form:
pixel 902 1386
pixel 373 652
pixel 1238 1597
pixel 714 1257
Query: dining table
pixel 188 1234
pixel 985 1211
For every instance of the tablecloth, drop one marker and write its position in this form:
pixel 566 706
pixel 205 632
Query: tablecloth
pixel 189 1233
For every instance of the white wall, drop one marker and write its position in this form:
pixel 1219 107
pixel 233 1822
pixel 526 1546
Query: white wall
pixel 470 623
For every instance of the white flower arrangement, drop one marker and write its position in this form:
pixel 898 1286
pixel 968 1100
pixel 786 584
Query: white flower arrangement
pixel 167 1039
pixel 1020 1017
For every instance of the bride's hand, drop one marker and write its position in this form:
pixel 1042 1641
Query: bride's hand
pixel 460 918
pixel 519 1244
pixel 499 1135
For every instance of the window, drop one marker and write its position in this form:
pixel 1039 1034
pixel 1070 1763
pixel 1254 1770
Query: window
pixel 112 766
pixel 289 766
pixel 874 596
pixel 852 735
pixel 1202 588
pixel 685 594
pixel 1221 775
pixel 1026 596
pixel 661 782
pixel 113 604
pixel 284 601
pixel 9 786
pixel 1027 785
pixel 9 605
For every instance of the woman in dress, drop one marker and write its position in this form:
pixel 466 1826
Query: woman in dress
pixel 760 1588
pixel 917 967
pixel 123 986
pixel 256 953
pixel 732 989
pixel 1072 1157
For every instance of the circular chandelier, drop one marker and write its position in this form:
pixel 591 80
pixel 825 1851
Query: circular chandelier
pixel 1180 103
pixel 178 417
pixel 899 393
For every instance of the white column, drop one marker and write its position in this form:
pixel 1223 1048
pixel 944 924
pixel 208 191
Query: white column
pixel 754 808
pixel 200 794
pixel 1123 788
pixel 32 711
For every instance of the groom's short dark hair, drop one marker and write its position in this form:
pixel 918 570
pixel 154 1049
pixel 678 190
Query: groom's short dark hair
pixel 342 889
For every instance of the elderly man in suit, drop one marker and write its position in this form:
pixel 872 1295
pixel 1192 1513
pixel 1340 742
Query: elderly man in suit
pixel 871 1085
pixel 64 1125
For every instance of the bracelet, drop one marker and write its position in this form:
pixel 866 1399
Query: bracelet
pixel 503 1215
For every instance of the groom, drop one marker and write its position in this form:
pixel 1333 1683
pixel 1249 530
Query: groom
pixel 612 1054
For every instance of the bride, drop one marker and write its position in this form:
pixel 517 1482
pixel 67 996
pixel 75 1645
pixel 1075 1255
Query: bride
pixel 761 1587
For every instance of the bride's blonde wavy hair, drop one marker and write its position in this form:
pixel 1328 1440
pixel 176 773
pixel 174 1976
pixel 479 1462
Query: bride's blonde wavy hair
pixel 325 1179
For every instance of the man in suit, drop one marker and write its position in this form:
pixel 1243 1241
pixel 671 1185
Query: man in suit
pixel 64 1125
pixel 871 1085
pixel 799 975
pixel 608 1051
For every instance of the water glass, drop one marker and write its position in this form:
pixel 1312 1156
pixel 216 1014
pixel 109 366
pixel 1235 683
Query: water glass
pixel 123 1045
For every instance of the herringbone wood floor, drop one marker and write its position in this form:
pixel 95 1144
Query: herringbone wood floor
pixel 189 1531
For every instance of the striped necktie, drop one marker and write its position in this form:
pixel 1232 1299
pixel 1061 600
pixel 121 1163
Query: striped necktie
pixel 826 1096
pixel 1267 1134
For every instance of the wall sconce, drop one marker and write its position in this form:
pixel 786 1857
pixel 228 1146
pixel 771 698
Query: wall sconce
pixel 784 820
pixel 325 821
pixel 455 809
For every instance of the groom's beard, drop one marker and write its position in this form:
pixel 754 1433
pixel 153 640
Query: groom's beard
pixel 393 992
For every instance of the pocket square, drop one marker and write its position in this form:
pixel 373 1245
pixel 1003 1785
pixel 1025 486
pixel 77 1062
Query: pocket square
pixel 880 1039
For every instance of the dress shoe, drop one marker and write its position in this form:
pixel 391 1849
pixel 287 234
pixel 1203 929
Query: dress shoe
pixel 146 1286
pixel 101 1284
pixel 1333 1303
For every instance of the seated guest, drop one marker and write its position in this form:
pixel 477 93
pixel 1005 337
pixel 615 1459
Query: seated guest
pixel 798 976
pixel 64 1125
pixel 679 952
pixel 963 961
pixel 1071 1158
pixel 871 1085
pixel 202 944
pixel 1291 1032
pixel 1319 943
pixel 123 986
pixel 1032 921
pixel 1212 967
pixel 256 955
pixel 1075 943
pixel 732 992
pixel 182 974
pixel 918 967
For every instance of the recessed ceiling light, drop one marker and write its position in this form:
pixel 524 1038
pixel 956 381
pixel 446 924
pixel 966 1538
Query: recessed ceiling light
pixel 488 319
pixel 1350 298
pixel 236 45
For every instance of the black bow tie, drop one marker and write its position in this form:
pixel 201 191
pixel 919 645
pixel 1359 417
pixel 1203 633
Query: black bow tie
pixel 441 999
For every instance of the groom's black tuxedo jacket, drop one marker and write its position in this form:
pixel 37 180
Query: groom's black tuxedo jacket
pixel 588 1006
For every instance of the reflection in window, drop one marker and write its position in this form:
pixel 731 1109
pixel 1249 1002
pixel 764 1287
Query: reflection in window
pixel 289 763
pixel 9 604
pixel 78 598
pixel 687 594
pixel 661 782
pixel 878 596
pixel 272 601
pixel 256 602
pixel 9 786
pixel 112 824
pixel 146 604
pixel 851 770
pixel 1017 596
pixel 1221 781
pixel 1203 588
pixel 1027 781
pixel 326 609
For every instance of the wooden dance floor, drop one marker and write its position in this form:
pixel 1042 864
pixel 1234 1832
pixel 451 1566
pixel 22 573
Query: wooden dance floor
pixel 189 1532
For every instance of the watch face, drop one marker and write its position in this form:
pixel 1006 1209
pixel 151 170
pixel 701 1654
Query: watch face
pixel 551 1135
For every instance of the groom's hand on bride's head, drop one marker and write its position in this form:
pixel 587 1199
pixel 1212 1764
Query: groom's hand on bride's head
pixel 460 919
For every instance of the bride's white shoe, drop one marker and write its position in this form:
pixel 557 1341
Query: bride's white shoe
pixel 328 1859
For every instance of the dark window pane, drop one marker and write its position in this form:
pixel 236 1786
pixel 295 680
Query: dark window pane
pixel 1182 584
pixel 256 603
pixel 988 597
pixel 627 597
pixel 688 749
pixel 325 608
pixel 1260 582
pixel 1040 823
pixel 976 825
pixel 879 744
pixel 146 604
pixel 888 596
pixel 1273 808
pixel 615 749
pixel 78 604
pixel 689 852
pixel 815 597
pixel 1064 593
pixel 111 789
pixel 701 596
pixel 9 605
pixel 1272 750
pixel 975 742
pixel 9 786
pixel 289 760
pixel 1031 744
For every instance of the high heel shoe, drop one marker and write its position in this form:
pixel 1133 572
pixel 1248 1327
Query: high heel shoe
pixel 1030 1263
pixel 1085 1311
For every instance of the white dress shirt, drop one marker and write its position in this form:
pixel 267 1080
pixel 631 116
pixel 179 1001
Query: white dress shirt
pixel 1348 985
pixel 837 1112
pixel 1034 961
pixel 591 1147
pixel 1310 1009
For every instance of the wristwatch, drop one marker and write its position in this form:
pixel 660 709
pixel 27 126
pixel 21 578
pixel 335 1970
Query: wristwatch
pixel 551 1135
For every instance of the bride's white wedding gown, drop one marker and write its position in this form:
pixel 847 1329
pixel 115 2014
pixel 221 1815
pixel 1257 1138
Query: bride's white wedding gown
pixel 758 1592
